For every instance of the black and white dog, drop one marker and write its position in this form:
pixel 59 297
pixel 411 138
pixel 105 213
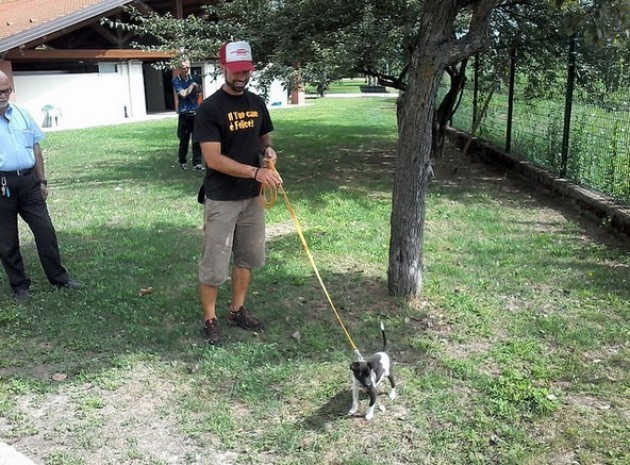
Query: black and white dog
pixel 368 375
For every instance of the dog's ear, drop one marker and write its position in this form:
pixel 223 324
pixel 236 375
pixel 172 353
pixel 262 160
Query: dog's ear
pixel 354 366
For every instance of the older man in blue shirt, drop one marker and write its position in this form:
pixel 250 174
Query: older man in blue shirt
pixel 23 192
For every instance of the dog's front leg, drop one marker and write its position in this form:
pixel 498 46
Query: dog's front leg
pixel 392 393
pixel 370 412
pixel 355 398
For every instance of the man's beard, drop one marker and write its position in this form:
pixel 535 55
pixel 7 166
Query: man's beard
pixel 237 87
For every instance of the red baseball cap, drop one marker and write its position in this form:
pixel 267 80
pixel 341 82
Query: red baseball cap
pixel 236 56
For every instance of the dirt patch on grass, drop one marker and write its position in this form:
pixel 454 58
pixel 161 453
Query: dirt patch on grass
pixel 130 423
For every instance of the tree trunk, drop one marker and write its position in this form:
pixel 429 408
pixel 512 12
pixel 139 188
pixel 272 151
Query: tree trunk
pixel 446 109
pixel 410 182
pixel 437 47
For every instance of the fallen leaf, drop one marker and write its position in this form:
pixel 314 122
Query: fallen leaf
pixel 145 291
pixel 59 377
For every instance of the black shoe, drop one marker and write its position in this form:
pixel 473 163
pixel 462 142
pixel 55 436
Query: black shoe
pixel 198 168
pixel 22 294
pixel 211 332
pixel 245 320
pixel 184 166
pixel 70 284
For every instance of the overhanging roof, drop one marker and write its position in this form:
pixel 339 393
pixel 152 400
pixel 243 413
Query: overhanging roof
pixel 87 54
pixel 23 21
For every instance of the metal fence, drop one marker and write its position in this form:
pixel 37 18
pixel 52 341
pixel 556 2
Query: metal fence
pixel 570 134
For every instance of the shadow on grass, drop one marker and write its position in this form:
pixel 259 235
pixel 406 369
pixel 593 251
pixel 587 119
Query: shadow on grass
pixel 335 409
pixel 107 323
pixel 141 300
pixel 84 332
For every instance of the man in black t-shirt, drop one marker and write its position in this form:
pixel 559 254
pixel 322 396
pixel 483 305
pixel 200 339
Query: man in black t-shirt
pixel 233 128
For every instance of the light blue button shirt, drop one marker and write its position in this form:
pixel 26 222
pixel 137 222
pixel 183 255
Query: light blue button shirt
pixel 18 134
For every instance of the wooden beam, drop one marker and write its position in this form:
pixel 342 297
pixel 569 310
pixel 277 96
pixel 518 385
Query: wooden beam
pixel 87 55
pixel 143 7
pixel 179 9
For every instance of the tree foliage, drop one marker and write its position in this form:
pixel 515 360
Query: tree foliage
pixel 407 45
pixel 540 32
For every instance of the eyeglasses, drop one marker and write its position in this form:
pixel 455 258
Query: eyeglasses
pixel 6 91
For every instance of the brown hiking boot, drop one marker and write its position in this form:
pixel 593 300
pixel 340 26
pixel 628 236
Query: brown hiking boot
pixel 245 320
pixel 211 332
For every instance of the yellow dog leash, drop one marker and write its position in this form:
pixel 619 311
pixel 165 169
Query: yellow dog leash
pixel 268 198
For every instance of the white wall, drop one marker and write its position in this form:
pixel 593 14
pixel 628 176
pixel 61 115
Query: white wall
pixel 137 100
pixel 83 100
pixel 278 96
pixel 212 79
pixel 107 97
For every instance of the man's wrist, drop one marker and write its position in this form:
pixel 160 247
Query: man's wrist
pixel 43 181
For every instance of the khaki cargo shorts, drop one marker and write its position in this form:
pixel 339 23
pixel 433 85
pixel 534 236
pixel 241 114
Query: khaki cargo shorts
pixel 234 231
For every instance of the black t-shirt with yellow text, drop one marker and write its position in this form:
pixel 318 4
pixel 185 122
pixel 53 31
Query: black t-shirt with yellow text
pixel 237 122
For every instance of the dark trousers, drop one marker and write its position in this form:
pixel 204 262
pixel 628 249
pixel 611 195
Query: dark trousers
pixel 26 201
pixel 185 126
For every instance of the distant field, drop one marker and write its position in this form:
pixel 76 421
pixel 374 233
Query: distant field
pixel 345 86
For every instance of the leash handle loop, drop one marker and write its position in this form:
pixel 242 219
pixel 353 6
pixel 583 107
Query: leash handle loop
pixel 268 194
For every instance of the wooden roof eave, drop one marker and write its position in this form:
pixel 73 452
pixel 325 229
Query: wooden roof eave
pixel 19 54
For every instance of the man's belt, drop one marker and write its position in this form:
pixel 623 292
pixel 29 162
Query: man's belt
pixel 17 173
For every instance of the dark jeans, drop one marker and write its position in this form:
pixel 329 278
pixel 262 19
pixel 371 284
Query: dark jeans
pixel 26 201
pixel 185 126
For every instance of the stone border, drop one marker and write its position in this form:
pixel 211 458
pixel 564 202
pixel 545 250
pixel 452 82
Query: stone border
pixel 614 214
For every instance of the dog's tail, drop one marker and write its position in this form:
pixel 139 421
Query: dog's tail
pixel 384 337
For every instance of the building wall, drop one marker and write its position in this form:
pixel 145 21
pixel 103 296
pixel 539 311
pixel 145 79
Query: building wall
pixel 112 95
pixel 115 94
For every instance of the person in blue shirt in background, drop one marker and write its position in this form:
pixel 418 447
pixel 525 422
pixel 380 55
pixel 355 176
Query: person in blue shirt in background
pixel 188 91
pixel 23 192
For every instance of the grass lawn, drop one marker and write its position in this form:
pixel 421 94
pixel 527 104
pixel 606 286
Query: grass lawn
pixel 517 352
